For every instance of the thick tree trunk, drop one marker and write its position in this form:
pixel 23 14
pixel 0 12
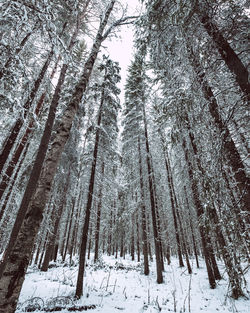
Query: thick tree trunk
pixel 231 153
pixel 10 141
pixel 15 157
pixel 16 259
pixel 173 204
pixel 231 59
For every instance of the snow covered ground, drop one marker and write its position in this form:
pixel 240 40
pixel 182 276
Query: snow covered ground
pixel 120 286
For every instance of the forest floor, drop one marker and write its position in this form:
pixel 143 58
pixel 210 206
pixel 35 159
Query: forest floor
pixel 118 285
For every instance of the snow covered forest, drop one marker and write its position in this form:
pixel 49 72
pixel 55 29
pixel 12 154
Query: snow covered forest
pixel 124 196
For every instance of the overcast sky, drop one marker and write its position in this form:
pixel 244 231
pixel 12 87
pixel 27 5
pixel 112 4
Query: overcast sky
pixel 121 50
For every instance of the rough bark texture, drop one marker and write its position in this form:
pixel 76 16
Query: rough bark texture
pixel 10 141
pixel 16 260
pixel 231 153
pixel 173 203
pixel 227 53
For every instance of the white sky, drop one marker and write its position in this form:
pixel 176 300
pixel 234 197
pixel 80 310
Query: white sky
pixel 121 49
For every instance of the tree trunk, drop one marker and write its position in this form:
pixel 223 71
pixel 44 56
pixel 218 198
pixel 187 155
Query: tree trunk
pixel 10 141
pixel 16 259
pixel 98 216
pixel 173 202
pixel 227 53
pixel 152 202
pixel 231 152
pixel 79 285
pixel 200 212
pixel 192 230
pixel 23 142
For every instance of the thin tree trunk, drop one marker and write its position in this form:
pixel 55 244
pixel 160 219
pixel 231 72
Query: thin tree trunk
pixel 152 202
pixel 79 285
pixel 133 238
pixel 143 215
pixel 56 216
pixel 98 216
pixel 192 230
pixel 200 212
pixel 173 202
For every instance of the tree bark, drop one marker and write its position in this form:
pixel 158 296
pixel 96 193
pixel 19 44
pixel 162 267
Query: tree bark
pixel 231 152
pixel 10 141
pixel 200 212
pixel 231 59
pixel 79 285
pixel 17 256
pixel 143 215
pixel 152 202
pixel 98 216
pixel 15 157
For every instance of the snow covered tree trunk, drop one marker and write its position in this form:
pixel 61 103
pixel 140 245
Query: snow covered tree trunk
pixel 15 157
pixel 10 141
pixel 227 53
pixel 152 202
pixel 231 152
pixel 16 259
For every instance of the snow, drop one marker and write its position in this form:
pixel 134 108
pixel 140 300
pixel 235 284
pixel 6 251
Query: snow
pixel 120 286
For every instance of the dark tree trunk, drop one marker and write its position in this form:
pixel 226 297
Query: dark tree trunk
pixel 152 202
pixel 138 243
pixel 23 142
pixel 192 230
pixel 69 231
pixel 231 59
pixel 98 216
pixel 143 215
pixel 17 255
pixel 10 141
pixel 200 212
pixel 79 285
pixel 132 244
pixel 56 216
pixel 173 202
pixel 231 153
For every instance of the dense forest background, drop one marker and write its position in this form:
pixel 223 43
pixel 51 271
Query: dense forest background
pixel 162 174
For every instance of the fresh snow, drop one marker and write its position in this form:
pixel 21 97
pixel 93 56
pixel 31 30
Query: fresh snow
pixel 118 285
